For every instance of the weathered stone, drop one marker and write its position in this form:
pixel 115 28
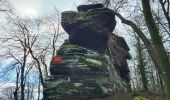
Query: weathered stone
pixel 82 74
pixel 88 7
pixel 91 65
pixel 90 28
pixel 119 51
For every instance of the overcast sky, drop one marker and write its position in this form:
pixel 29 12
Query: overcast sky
pixel 37 8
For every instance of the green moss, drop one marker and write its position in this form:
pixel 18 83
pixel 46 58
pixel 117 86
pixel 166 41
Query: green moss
pixel 98 62
pixel 68 85
pixel 100 58
pixel 98 77
pixel 65 86
pixel 70 46
pixel 74 96
pixel 99 10
pixel 91 13
pixel 96 56
pixel 89 64
pixel 140 98
pixel 65 49
pixel 68 91
pixel 82 17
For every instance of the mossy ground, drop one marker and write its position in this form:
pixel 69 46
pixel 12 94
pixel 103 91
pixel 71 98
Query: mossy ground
pixel 139 98
pixel 129 96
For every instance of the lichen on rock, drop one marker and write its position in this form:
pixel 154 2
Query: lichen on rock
pixel 84 67
pixel 90 28
pixel 79 65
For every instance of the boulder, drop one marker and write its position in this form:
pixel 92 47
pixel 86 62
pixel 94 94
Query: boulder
pixel 119 52
pixel 82 74
pixel 92 64
pixel 89 28
pixel 85 8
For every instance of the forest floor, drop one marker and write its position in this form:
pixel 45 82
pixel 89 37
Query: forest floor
pixel 151 96
pixel 130 96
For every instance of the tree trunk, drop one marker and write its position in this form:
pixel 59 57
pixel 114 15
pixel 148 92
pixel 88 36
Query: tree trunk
pixel 141 65
pixel 143 38
pixel 17 84
pixel 15 95
pixel 39 66
pixel 39 89
pixel 158 46
pixel 23 76
pixel 166 13
pixel 136 77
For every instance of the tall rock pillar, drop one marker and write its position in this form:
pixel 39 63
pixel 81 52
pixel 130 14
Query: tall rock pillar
pixel 83 68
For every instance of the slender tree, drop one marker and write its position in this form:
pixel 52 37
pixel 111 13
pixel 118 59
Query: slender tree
pixel 165 4
pixel 158 46
pixel 155 45
pixel 141 64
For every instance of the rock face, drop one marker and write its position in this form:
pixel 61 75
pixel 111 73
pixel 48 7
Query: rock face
pixel 82 74
pixel 89 27
pixel 119 53
pixel 91 65
pixel 85 8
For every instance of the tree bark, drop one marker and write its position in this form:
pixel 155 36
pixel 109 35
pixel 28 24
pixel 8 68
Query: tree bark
pixel 159 49
pixel 141 65
pixel 143 38
pixel 23 76
pixel 39 67
pixel 17 84
pixel 166 12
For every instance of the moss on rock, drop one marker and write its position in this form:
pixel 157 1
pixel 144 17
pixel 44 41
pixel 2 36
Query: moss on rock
pixel 78 65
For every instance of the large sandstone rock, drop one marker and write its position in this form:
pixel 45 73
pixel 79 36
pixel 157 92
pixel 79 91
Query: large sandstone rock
pixel 82 74
pixel 119 52
pixel 91 65
pixel 88 7
pixel 90 27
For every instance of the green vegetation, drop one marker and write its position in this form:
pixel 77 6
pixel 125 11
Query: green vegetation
pixel 69 91
pixel 91 13
pixel 158 46
pixel 98 77
pixel 65 87
pixel 139 98
pixel 141 64
pixel 71 46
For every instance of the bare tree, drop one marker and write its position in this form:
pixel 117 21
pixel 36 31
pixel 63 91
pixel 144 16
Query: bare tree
pixel 31 43
pixel 141 64
pixel 165 4
pixel 154 44
pixel 5 6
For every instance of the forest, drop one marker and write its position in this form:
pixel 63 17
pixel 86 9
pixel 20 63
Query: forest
pixel 29 43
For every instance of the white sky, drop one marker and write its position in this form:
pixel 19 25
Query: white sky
pixel 38 8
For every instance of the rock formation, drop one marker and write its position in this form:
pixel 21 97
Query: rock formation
pixel 91 65
pixel 118 50
pixel 88 7
pixel 90 28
